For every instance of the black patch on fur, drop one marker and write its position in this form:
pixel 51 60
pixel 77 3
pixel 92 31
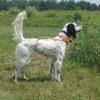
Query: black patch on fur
pixel 71 30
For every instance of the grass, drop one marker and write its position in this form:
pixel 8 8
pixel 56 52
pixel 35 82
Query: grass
pixel 78 82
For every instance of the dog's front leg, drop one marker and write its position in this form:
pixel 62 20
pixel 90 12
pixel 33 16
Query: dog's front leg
pixel 51 67
pixel 57 66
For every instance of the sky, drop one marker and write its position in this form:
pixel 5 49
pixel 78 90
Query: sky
pixel 92 1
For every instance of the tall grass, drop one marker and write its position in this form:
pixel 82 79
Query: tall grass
pixel 87 49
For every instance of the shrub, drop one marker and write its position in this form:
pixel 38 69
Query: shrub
pixel 77 16
pixel 30 11
pixel 87 49
pixel 51 14
pixel 14 10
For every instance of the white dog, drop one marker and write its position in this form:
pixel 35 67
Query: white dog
pixel 54 47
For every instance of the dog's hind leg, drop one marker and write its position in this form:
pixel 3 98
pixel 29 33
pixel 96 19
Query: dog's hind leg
pixel 22 57
pixel 20 67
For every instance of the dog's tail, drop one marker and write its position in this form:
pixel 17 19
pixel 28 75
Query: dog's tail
pixel 18 26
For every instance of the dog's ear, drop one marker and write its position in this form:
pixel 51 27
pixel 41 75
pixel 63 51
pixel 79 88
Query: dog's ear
pixel 71 30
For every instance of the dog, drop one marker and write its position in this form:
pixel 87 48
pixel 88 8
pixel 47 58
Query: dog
pixel 53 47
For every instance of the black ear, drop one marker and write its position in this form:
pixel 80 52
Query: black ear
pixel 71 30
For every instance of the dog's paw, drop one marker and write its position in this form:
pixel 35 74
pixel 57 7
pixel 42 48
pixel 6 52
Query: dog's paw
pixel 25 77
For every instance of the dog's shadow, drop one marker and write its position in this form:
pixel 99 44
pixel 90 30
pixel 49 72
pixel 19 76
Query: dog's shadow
pixel 35 79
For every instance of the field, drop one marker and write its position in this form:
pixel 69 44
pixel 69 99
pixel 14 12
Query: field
pixel 80 75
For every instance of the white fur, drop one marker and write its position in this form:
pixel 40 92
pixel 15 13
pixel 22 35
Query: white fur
pixel 27 47
pixel 18 25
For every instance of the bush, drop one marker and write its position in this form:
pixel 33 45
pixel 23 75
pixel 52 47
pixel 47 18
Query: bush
pixel 51 14
pixel 77 16
pixel 87 49
pixel 14 10
pixel 30 11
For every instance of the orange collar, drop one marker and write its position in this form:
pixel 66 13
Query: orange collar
pixel 64 38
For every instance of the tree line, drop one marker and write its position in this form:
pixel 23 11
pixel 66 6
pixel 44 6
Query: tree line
pixel 49 5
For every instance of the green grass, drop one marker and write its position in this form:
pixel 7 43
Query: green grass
pixel 78 82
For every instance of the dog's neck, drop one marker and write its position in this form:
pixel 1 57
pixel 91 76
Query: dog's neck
pixel 66 33
pixel 63 37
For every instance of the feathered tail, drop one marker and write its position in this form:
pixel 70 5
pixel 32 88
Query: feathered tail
pixel 18 26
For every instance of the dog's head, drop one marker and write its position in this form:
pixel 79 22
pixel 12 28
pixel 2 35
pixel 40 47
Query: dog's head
pixel 71 29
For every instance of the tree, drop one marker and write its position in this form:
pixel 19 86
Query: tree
pixel 48 4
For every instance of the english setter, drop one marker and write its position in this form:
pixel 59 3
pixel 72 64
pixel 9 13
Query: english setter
pixel 54 47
